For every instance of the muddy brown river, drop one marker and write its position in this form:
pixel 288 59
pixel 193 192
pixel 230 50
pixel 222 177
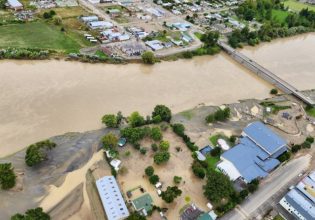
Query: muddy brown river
pixel 39 99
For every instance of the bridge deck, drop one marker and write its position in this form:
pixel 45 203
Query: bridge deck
pixel 266 74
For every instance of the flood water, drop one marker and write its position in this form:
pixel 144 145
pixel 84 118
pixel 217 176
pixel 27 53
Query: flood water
pixel 39 99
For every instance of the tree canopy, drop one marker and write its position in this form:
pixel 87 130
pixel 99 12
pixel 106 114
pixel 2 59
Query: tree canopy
pixel 156 134
pixel 36 153
pixel 136 120
pixel 171 193
pixel 110 141
pixel 148 57
pixel 32 214
pixel 218 187
pixel 7 176
pixel 162 111
pixel 161 157
pixel 110 121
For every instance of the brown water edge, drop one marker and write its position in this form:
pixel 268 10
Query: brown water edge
pixel 39 99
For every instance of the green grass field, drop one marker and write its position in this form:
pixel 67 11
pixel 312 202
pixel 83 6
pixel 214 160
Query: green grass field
pixel 37 35
pixel 279 15
pixel 310 111
pixel 212 161
pixel 297 6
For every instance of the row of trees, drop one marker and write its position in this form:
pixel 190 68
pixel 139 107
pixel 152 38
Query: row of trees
pixel 261 10
pixel 24 53
pixel 159 114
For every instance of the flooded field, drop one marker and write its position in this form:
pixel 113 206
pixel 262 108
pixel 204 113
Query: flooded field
pixel 39 99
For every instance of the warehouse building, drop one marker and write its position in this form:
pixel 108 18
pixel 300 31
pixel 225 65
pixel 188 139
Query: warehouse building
pixel 300 201
pixel 112 200
pixel 256 154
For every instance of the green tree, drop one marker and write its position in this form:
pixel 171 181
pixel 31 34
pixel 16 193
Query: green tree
pixel 36 153
pixel 136 120
pixel 171 193
pixel 2 4
pixel 218 187
pixel 162 111
pixel 198 169
pixel 179 129
pixel 135 216
pixel 110 141
pixel 148 57
pixel 154 179
pixel 32 214
pixel 110 121
pixel 133 135
pixel 164 145
pixel 154 147
pixel 7 176
pixel 161 157
pixel 177 179
pixel 273 91
pixel 156 134
pixel 149 171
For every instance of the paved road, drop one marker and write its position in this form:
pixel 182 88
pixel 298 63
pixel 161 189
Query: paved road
pixel 276 182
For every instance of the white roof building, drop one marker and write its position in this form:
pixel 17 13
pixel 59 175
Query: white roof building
pixel 15 4
pixel 154 45
pixel 100 24
pixel 115 164
pixel 112 200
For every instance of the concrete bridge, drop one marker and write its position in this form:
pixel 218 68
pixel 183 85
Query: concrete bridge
pixel 265 74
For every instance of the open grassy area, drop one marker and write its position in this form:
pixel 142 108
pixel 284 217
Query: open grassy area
pixel 68 12
pixel 297 6
pixel 37 35
pixel 280 15
pixel 310 111
pixel 212 161
pixel 275 108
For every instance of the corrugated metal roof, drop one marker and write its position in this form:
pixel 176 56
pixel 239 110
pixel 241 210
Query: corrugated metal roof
pixel 113 202
pixel 264 137
pixel 300 203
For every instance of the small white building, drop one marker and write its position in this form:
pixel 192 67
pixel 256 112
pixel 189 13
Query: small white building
pixel 87 19
pixel 115 164
pixel 154 45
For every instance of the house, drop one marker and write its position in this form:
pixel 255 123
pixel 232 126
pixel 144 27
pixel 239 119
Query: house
pixel 15 5
pixel 143 204
pixel 111 197
pixel 114 12
pixel 187 38
pixel 154 45
pixel 255 156
pixel 100 25
pixel 300 200
pixel 115 163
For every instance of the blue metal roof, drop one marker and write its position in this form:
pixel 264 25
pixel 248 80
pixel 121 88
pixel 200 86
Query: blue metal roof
pixel 264 137
pixel 250 160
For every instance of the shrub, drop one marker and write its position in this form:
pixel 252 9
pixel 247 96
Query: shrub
pixel 198 169
pixel 143 150
pixel 32 214
pixel 161 157
pixel 164 145
pixel 149 171
pixel 219 115
pixel 148 57
pixel 216 152
pixel 7 176
pixel 110 121
pixel 310 139
pixel 136 120
pixel 109 141
pixel 154 179
pixel 36 153
pixel 154 147
pixel 170 194
pixel 177 179
pixel 179 129
pixel 156 134
pixel 306 144
pixel 295 148
pixel 273 91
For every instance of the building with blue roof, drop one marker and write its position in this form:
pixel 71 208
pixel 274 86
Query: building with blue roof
pixel 300 201
pixel 255 156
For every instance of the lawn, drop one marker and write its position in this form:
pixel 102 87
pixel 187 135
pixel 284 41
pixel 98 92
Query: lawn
pixel 310 111
pixel 297 6
pixel 212 161
pixel 280 15
pixel 214 139
pixel 274 108
pixel 37 35
pixel 68 12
